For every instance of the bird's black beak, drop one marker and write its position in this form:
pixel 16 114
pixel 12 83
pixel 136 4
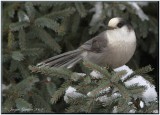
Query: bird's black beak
pixel 110 28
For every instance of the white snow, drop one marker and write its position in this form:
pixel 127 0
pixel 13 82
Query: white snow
pixel 114 109
pixel 124 67
pixel 6 87
pixel 71 92
pixel 139 11
pixel 141 104
pixel 96 74
pixel 48 78
pixel 149 94
pixel 81 74
pixel 132 111
pixel 98 13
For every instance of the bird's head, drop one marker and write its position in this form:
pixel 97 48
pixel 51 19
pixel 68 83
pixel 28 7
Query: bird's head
pixel 117 23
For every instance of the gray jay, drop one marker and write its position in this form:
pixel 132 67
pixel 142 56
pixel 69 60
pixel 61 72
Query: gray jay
pixel 113 47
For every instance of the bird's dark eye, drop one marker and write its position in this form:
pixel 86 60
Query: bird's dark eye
pixel 120 24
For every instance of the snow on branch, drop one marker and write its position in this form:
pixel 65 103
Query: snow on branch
pixel 98 13
pixel 139 11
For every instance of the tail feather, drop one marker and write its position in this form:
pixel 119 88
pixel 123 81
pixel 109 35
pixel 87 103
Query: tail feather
pixel 63 60
pixel 72 62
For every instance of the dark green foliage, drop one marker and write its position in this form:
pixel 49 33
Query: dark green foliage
pixel 34 31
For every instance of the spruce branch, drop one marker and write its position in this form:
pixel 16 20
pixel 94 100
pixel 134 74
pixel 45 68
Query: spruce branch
pixel 152 107
pixel 55 97
pixel 22 39
pixel 32 52
pixel 117 76
pixel 17 26
pixel 46 38
pixel 42 3
pixel 102 70
pixel 40 104
pixel 23 105
pixel 61 14
pixel 17 55
pixel 11 41
pixel 13 66
pixel 53 72
pixel 46 22
pixel 7 105
pixel 51 88
pixel 81 9
pixel 32 13
pixel 23 70
pixel 140 71
pixel 75 24
pixel 26 85
pixel 22 16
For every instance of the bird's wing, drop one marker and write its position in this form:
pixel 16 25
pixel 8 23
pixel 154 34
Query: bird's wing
pixel 96 44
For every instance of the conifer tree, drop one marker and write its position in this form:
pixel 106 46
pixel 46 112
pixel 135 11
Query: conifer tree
pixel 34 31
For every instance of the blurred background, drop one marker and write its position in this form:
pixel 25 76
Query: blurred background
pixel 34 31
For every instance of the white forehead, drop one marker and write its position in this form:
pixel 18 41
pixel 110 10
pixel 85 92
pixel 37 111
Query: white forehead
pixel 113 22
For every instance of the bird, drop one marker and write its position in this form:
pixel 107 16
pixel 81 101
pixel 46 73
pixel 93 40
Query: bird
pixel 112 48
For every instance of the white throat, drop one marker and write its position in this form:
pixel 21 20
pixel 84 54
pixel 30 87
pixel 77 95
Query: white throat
pixel 121 35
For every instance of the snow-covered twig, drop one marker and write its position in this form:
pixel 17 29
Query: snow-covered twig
pixel 98 13
pixel 149 94
pixel 139 11
pixel 71 93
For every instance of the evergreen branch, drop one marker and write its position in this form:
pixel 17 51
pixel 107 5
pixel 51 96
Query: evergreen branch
pixel 98 68
pixel 84 87
pixel 117 76
pixel 102 86
pixel 94 28
pixel 43 3
pixel 32 52
pixel 140 71
pixel 90 104
pixel 75 109
pixel 18 26
pixel 77 105
pixel 23 105
pixel 51 88
pixel 111 100
pixel 14 66
pixel 81 9
pixel 11 40
pixel 46 22
pixel 123 106
pixel 78 101
pixel 136 90
pixel 22 39
pixel 26 85
pixel 144 70
pixel 23 70
pixel 61 14
pixel 153 106
pixel 122 89
pixel 8 104
pixel 63 27
pixel 46 38
pixel 40 104
pixel 22 16
pixel 56 96
pixel 17 55
pixel 53 72
pixel 30 10
pixel 75 23
pixel 11 13
pixel 6 58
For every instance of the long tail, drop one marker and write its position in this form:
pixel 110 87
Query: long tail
pixel 67 59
